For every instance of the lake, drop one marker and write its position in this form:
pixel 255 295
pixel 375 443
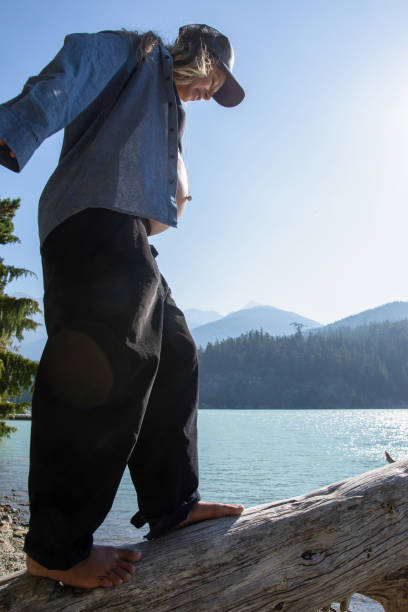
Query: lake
pixel 251 457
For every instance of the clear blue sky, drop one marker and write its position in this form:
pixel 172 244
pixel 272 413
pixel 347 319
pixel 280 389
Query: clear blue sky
pixel 300 194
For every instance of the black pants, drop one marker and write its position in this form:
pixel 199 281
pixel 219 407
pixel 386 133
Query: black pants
pixel 116 385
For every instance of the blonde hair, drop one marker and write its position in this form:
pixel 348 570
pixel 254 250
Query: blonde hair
pixel 191 60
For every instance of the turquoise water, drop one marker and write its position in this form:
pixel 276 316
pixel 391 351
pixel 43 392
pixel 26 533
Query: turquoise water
pixel 251 457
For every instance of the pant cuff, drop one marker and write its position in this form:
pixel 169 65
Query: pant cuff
pixel 160 526
pixel 56 561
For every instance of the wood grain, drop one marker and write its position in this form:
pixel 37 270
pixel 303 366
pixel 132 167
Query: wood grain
pixel 295 555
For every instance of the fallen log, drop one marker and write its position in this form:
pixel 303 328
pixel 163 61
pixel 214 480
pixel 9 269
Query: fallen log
pixel 296 555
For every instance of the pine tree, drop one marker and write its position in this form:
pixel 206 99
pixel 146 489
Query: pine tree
pixel 16 373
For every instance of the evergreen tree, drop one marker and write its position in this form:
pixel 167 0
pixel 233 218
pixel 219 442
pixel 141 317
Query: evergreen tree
pixel 16 373
pixel 361 367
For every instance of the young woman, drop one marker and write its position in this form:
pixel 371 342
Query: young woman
pixel 117 383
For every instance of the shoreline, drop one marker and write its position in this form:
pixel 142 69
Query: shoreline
pixel 13 527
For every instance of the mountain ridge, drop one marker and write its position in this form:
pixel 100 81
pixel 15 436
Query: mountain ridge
pixel 272 320
pixel 246 319
pixel 391 311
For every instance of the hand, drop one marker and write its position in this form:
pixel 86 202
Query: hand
pixel 3 144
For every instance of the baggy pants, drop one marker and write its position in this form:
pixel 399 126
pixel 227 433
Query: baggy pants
pixel 117 385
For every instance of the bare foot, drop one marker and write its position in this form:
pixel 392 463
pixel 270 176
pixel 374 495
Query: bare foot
pixel 203 511
pixel 106 566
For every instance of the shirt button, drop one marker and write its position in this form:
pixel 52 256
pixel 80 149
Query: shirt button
pixel 168 78
pixel 170 103
pixel 172 156
pixel 171 129
pixel 172 181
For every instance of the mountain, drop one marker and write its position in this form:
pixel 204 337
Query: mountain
pixel 363 367
pixel 272 320
pixel 251 304
pixel 394 311
pixel 33 350
pixel 196 317
pixel 209 325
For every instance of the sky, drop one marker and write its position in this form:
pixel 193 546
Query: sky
pixel 300 194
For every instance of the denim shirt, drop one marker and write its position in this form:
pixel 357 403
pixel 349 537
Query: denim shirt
pixel 121 129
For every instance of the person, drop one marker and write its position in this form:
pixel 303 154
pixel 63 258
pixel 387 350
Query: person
pixel 117 383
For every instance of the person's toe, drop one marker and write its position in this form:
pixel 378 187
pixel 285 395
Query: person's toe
pixel 123 574
pixel 128 567
pixel 237 508
pixel 219 510
pixel 114 578
pixel 129 555
pixel 104 581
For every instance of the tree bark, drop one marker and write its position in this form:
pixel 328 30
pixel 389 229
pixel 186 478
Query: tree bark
pixel 295 555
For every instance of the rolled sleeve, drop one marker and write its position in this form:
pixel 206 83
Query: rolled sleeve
pixel 18 138
pixel 53 99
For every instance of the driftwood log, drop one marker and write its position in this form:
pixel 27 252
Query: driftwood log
pixel 296 555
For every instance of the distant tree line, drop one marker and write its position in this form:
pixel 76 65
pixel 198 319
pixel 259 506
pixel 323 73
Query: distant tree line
pixel 363 367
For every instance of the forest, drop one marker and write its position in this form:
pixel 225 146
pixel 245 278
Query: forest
pixel 365 367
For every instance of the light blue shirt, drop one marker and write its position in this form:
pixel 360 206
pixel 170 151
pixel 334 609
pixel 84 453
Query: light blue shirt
pixel 120 118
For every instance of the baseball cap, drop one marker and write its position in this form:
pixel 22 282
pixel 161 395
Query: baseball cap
pixel 231 93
